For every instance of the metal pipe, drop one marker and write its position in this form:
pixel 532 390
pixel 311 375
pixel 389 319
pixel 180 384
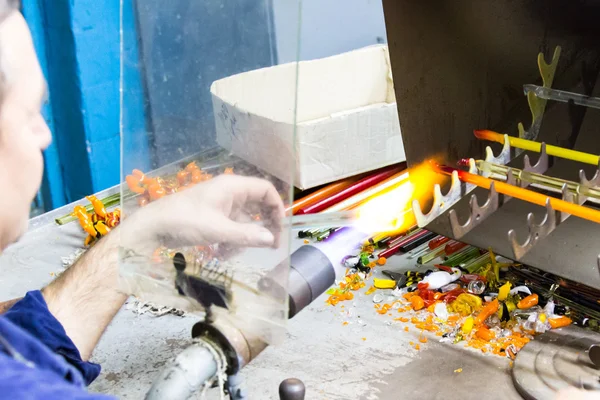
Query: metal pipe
pixel 309 274
pixel 186 375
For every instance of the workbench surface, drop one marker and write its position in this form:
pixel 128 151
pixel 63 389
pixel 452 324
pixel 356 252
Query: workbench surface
pixel 370 358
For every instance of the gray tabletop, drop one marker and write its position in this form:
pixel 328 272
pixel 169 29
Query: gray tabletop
pixel 369 358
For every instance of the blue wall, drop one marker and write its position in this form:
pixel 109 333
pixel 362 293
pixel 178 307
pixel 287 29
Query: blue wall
pixel 78 45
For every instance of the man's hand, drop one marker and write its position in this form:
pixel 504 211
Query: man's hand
pixel 216 211
pixel 86 297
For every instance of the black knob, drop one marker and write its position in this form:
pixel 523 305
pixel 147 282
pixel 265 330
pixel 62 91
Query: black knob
pixel 594 354
pixel 179 262
pixel 292 389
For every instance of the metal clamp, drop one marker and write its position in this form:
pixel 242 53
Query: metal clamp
pixel 494 201
pixel 552 218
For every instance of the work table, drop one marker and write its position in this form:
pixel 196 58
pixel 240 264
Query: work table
pixel 369 358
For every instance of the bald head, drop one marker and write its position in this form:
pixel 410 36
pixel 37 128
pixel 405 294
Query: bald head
pixel 23 132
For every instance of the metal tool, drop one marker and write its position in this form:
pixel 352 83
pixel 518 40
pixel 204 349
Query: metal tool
pixel 398 277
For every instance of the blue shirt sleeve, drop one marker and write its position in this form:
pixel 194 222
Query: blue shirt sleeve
pixel 19 381
pixel 32 315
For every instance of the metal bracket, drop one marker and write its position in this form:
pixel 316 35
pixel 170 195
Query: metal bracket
pixel 584 181
pixel 493 202
pixel 442 202
pixel 552 218
pixel 504 156
pixel 536 231
pixel 457 189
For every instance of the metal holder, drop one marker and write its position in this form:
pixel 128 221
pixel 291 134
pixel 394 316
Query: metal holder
pixel 584 181
pixel 503 158
pixel 537 105
pixel 563 96
pixel 458 189
pixel 552 218
pixel 494 201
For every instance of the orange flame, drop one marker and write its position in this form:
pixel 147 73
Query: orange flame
pixel 391 211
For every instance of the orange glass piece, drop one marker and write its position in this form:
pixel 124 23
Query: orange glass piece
pixel 134 182
pixel 560 322
pixel 156 191
pixel 487 310
pixel 98 205
pixel 417 303
pixel 528 301
pixel 485 334
pixel 183 177
pixel 102 228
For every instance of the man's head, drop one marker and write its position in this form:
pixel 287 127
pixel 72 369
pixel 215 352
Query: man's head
pixel 23 132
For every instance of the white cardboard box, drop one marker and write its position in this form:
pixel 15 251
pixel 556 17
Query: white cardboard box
pixel 347 121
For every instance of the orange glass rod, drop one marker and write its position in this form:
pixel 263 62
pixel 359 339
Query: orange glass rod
pixel 523 194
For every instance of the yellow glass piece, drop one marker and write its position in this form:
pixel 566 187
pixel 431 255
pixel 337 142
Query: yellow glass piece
pixel 384 283
pixel 467 326
pixel 510 306
pixel 466 304
pixel 504 291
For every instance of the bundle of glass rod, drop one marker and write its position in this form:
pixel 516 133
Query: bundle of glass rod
pixel 346 195
pixel 548 183
pixel 580 302
pixel 539 181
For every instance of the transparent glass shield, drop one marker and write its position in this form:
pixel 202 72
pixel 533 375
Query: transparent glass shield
pixel 208 157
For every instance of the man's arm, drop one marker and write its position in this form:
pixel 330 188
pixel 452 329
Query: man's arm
pixel 6 305
pixel 85 298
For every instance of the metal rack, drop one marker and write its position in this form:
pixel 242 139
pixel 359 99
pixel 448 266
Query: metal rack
pixel 446 209
pixel 493 201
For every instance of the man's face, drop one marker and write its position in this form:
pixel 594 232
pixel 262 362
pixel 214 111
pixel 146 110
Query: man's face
pixel 23 132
